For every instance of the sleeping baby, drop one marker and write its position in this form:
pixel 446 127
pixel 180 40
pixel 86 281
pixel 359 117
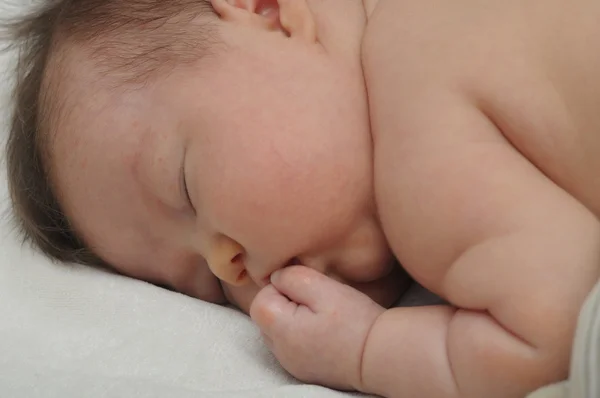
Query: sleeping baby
pixel 286 155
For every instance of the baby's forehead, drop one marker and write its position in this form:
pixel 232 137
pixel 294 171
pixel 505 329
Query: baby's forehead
pixel 94 172
pixel 74 91
pixel 84 102
pixel 87 133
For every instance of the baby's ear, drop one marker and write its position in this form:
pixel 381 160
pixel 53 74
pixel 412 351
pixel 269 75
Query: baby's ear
pixel 294 17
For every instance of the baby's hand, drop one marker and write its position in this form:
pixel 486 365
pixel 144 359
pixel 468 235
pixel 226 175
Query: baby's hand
pixel 316 327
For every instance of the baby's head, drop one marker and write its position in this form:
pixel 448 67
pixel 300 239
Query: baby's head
pixel 188 142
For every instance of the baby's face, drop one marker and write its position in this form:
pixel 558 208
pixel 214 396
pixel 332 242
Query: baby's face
pixel 274 147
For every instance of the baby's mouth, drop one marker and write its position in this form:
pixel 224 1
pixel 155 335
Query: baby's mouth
pixel 267 279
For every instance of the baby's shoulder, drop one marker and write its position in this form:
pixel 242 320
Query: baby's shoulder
pixel 408 34
pixel 505 61
pixel 482 46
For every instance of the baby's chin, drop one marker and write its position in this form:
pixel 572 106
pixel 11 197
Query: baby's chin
pixel 241 297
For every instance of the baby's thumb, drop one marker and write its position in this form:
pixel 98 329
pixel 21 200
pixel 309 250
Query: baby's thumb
pixel 304 286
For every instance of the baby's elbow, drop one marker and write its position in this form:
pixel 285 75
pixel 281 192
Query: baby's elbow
pixel 553 343
pixel 553 327
pixel 489 360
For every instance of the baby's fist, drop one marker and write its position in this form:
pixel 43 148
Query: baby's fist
pixel 316 327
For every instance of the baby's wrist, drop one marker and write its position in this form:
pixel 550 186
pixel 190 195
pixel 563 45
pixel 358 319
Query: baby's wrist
pixel 363 379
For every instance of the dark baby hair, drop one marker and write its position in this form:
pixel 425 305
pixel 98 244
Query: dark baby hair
pixel 131 40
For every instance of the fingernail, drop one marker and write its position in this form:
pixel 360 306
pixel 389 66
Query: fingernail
pixel 275 276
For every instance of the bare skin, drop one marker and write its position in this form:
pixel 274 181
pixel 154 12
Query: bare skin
pixel 485 192
pixel 474 165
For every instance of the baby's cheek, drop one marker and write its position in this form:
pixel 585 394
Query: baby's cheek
pixel 247 197
pixel 268 216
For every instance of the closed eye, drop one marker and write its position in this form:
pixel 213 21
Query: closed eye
pixel 184 185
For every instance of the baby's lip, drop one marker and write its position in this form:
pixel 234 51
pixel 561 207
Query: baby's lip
pixel 267 279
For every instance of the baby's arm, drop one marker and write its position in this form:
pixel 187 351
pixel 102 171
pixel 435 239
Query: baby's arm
pixel 475 222
pixel 481 226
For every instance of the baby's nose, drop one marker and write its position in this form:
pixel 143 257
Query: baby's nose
pixel 226 261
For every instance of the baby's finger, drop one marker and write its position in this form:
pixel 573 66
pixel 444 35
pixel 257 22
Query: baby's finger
pixel 270 307
pixel 305 286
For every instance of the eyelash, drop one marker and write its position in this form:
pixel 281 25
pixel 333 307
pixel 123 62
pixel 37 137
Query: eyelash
pixel 186 191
